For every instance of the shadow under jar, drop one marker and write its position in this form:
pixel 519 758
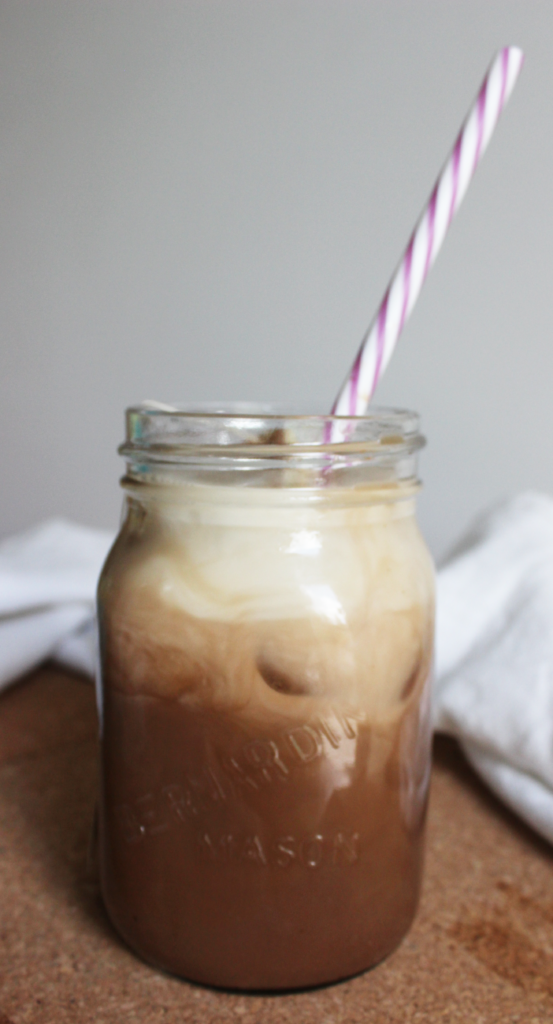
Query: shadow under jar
pixel 266 628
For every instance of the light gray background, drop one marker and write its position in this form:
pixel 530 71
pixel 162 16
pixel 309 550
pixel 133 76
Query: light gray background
pixel 205 200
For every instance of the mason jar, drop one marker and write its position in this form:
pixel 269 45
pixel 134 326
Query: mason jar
pixel 266 630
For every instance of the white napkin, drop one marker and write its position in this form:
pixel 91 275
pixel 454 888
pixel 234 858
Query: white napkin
pixel 494 642
pixel 494 654
pixel 48 579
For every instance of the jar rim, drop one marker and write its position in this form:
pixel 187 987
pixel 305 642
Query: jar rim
pixel 263 410
pixel 262 429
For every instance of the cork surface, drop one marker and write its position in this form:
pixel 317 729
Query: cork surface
pixel 481 948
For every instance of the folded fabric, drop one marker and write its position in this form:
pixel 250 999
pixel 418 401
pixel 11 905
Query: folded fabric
pixel 494 636
pixel 48 578
pixel 494 654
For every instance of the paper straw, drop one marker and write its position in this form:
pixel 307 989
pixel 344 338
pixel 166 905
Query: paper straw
pixel 425 242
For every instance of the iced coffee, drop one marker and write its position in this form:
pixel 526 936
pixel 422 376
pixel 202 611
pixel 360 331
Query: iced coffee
pixel 266 625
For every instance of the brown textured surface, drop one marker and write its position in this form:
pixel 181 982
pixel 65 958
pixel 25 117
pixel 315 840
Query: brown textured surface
pixel 481 949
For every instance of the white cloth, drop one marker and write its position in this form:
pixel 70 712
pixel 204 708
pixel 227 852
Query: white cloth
pixel 494 641
pixel 494 654
pixel 48 579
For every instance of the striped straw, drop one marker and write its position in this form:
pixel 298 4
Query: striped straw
pixel 425 242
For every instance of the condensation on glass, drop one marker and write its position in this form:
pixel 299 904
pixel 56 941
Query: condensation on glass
pixel 266 629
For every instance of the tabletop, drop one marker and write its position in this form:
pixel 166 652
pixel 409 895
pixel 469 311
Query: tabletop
pixel 480 950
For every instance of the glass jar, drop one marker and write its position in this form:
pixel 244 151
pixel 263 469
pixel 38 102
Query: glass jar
pixel 266 629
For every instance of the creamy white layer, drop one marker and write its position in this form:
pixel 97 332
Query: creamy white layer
pixel 262 599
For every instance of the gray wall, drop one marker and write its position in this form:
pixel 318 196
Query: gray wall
pixel 205 200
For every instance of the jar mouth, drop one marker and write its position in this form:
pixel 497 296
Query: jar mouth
pixel 263 431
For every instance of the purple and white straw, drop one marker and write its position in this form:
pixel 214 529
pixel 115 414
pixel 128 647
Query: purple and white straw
pixel 425 242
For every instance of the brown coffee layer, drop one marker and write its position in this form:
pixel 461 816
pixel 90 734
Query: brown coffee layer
pixel 249 856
